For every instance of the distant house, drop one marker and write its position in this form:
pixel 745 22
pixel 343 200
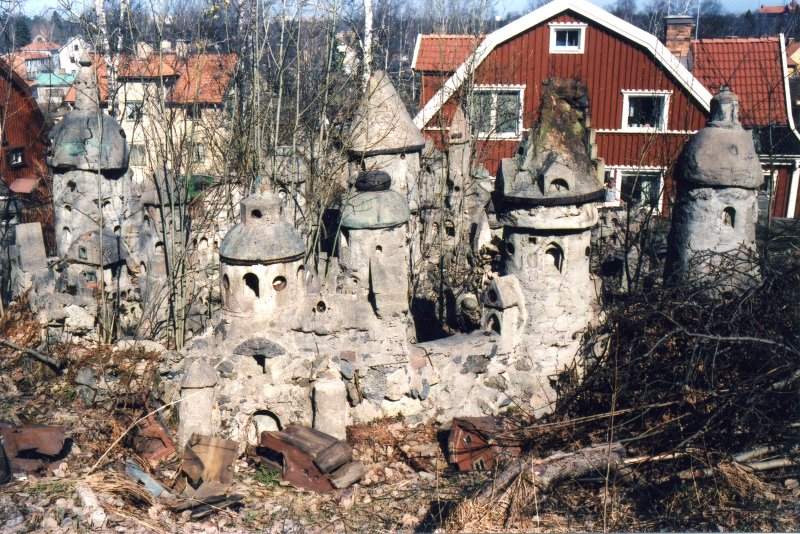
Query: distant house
pixel 172 108
pixel 50 89
pixel 645 101
pixel 786 9
pixel 69 54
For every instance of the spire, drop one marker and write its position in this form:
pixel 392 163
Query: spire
pixel 87 97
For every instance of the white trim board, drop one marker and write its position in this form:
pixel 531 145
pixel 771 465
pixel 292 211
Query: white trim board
pixel 585 9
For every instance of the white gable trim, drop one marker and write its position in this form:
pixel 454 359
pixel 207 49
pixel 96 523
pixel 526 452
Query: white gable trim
pixel 416 52
pixel 546 12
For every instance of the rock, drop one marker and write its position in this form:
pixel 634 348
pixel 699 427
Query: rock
pixel 259 346
pixel 330 408
pixel 373 385
pixel 347 369
pixel 397 385
pixel 475 364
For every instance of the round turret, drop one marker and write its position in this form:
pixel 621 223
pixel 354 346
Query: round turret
pixel 722 154
pixel 262 267
pixel 87 138
pixel 374 205
pixel 262 237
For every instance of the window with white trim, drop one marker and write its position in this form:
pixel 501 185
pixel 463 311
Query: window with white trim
pixel 496 111
pixel 134 110
pixel 645 110
pixel 567 38
pixel 642 188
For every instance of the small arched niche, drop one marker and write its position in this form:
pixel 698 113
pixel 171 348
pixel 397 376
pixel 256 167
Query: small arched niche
pixel 729 217
pixel 226 283
pixel 558 185
pixel 264 421
pixel 493 324
pixel 553 258
pixel 279 283
pixel 251 281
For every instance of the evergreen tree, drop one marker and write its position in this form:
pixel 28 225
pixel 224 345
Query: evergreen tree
pixel 22 32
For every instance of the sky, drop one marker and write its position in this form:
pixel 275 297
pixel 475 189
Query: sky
pixel 34 7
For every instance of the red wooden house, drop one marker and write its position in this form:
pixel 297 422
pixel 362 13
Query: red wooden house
pixel 644 101
pixel 22 152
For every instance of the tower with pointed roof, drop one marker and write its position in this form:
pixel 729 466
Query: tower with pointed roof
pixel 546 200
pixel 716 208
pixel 383 137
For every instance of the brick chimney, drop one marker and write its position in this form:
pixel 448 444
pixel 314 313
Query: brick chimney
pixel 678 31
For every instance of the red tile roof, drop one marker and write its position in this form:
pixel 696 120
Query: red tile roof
pixel 752 68
pixel 201 78
pixel 153 66
pixel 443 53
pixel 39 46
pixel 772 10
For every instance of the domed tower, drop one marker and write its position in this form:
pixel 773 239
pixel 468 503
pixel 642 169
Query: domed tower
pixel 383 137
pixel 716 210
pixel 88 157
pixel 373 253
pixel 546 202
pixel 262 271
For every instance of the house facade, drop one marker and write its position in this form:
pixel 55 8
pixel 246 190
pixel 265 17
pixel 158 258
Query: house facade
pixel 172 109
pixel 644 101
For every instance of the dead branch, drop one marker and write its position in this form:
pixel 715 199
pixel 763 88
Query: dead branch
pixel 52 363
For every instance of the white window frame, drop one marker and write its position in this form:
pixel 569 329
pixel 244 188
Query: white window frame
pixel 556 26
pixel 626 94
pixel 130 110
pixel 617 174
pixel 493 117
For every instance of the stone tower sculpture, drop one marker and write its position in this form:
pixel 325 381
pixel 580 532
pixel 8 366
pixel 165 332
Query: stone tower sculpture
pixel 262 271
pixel 383 137
pixel 546 202
pixel 89 161
pixel 373 254
pixel 716 210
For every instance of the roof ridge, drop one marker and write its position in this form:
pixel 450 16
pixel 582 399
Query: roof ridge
pixel 767 39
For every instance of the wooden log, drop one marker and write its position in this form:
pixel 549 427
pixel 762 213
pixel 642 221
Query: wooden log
pixel 543 473
pixel 334 457
pixel 347 475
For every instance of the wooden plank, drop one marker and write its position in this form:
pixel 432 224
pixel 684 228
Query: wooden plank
pixel 347 475
pixel 217 455
pixel 311 441
pixel 334 457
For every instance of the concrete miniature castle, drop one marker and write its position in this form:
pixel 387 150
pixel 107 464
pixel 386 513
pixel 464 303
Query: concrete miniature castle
pixel 290 347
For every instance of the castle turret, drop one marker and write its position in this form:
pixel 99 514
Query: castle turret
pixel 88 157
pixel 716 210
pixel 373 253
pixel 262 270
pixel 546 202
pixel 383 137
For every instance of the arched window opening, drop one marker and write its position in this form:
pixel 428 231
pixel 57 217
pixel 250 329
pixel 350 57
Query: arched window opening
pixel 226 282
pixel 557 186
pixel 256 214
pixel 251 281
pixel 143 268
pixel 491 296
pixel 117 230
pixel 301 271
pixel 279 284
pixel 729 217
pixel 554 257
pixel 72 186
pixel 493 324
pixel 321 306
pixel 378 249
pixel 588 251
pixel 67 208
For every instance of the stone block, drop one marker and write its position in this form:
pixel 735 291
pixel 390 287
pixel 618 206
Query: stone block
pixel 30 247
pixel 330 408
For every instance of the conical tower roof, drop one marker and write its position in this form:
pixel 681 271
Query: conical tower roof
pixel 556 167
pixel 382 124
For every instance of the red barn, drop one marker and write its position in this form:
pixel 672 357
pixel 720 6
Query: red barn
pixel 644 101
